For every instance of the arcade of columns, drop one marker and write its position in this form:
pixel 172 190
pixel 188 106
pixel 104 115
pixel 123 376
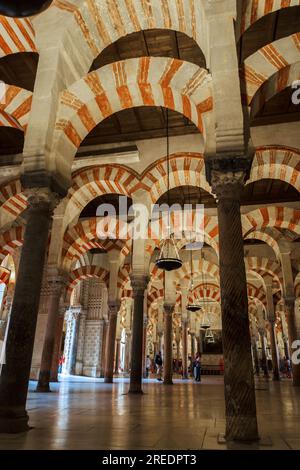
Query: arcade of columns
pixel 105 300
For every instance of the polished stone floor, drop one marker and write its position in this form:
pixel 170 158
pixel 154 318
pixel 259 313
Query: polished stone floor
pixel 88 414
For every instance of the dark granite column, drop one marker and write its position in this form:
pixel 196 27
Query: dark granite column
pixel 56 282
pixel 113 308
pixel 117 359
pixel 263 352
pixel 139 285
pixel 227 176
pixel 57 345
pixel 103 353
pixel 255 355
pixel 15 373
pixel 274 350
pixel 184 349
pixel 168 344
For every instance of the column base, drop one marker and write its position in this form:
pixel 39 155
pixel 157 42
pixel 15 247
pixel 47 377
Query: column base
pixel 242 429
pixel 135 392
pixel 13 422
pixel 42 388
pixel 168 382
pixel 108 380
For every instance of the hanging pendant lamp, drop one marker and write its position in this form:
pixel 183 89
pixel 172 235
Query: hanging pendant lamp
pixel 209 337
pixel 23 8
pixel 169 258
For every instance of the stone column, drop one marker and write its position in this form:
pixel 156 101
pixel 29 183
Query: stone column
pixel 80 343
pixel 255 355
pixel 192 345
pixel 168 343
pixel 101 341
pixel 271 321
pixel 227 175
pixel 127 352
pixel 113 308
pixel 139 285
pixel 117 359
pixel 19 347
pixel 57 344
pixel 56 282
pixel 145 322
pixel 293 336
pixel 71 340
pixel 184 349
pixel 103 349
pixel 263 352
pixel 274 350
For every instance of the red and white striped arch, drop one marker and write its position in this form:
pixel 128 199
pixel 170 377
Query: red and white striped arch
pixel 270 237
pixel 86 272
pixel 11 240
pixel 95 25
pixel 265 267
pixel 280 163
pixel 12 201
pixel 15 105
pixel 277 217
pixel 84 236
pixel 87 184
pixel 269 60
pixel 257 293
pixel 4 275
pixel 207 291
pixel 16 35
pixel 200 267
pixel 253 10
pixel 145 81
pixel 186 169
pixel 284 78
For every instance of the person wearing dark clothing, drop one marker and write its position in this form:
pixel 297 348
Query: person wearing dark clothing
pixel 158 364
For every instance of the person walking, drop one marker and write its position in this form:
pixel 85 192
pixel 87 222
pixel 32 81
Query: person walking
pixel 158 364
pixel 197 364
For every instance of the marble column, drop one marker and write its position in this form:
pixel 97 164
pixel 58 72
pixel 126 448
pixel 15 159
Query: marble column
pixel 139 285
pixel 103 349
pixel 72 318
pixel 271 321
pixel 168 344
pixel 57 344
pixel 255 355
pixel 145 322
pixel 117 359
pixel 227 176
pixel 80 343
pixel 56 282
pixel 100 353
pixel 274 350
pixel 113 308
pixel 192 335
pixel 184 349
pixel 19 347
pixel 293 336
pixel 127 352
pixel 264 361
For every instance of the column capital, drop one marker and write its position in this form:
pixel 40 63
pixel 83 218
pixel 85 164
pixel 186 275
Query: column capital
pixel 227 175
pixel 139 283
pixel 42 199
pixel 113 307
pixel 169 308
